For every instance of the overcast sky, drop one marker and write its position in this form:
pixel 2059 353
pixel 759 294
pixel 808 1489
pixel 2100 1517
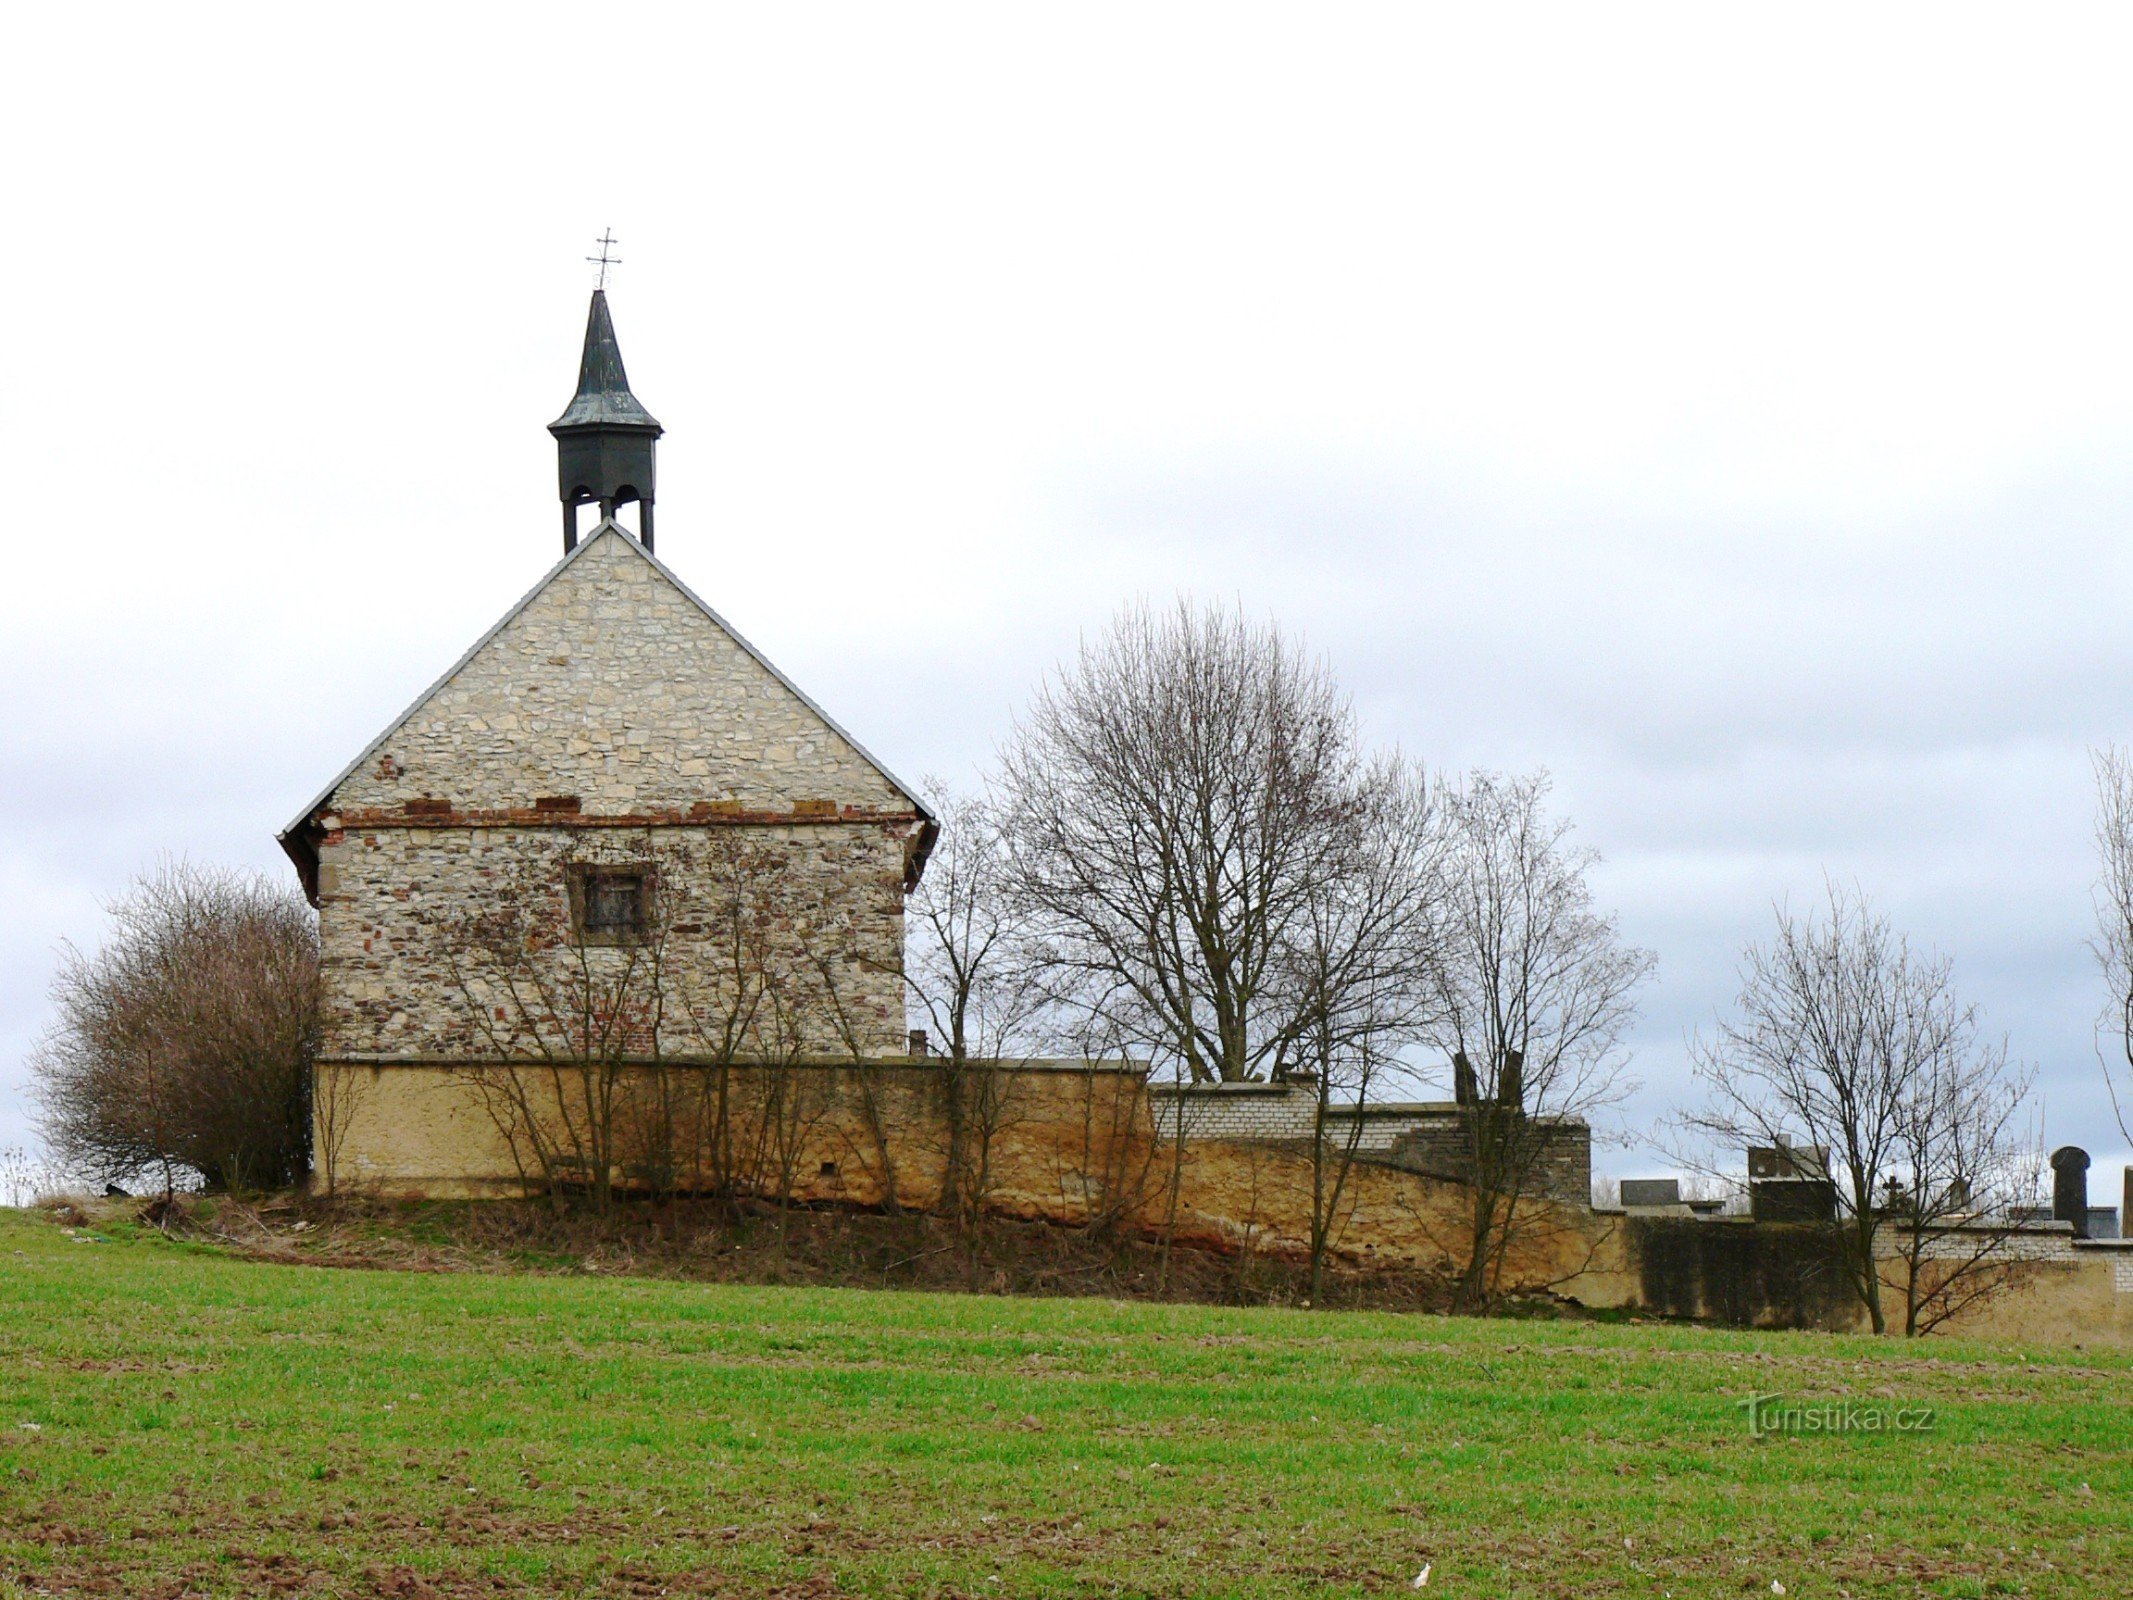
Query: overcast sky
pixel 1727 410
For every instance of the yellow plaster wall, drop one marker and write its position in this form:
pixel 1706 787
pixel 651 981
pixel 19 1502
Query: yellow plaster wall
pixel 1066 1141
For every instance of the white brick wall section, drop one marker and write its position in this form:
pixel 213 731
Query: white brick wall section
pixel 2122 1271
pixel 1264 1113
pixel 2019 1246
pixel 1254 1113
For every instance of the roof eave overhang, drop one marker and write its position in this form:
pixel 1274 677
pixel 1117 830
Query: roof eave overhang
pixel 300 845
pixel 929 833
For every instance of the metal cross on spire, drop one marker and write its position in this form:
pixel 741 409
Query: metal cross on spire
pixel 604 260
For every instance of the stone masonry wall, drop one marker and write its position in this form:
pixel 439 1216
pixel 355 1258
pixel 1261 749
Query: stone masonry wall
pixel 413 923
pixel 1428 1137
pixel 1561 1170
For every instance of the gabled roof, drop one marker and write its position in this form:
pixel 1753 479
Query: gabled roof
pixel 301 849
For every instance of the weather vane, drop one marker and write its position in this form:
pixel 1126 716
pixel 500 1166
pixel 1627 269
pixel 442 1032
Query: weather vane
pixel 607 243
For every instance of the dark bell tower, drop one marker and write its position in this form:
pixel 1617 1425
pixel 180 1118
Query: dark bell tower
pixel 605 441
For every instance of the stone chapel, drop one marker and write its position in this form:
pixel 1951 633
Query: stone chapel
pixel 615 908
pixel 580 794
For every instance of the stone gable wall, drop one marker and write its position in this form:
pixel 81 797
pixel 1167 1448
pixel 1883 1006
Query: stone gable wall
pixel 614 688
pixel 404 912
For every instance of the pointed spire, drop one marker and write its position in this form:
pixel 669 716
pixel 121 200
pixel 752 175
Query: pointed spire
pixel 606 440
pixel 603 395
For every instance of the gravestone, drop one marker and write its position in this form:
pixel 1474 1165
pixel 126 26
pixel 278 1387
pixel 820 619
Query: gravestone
pixel 1651 1191
pixel 2070 1188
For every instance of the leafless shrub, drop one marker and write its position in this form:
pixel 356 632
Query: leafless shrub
pixel 184 1044
pixel 24 1177
pixel 667 1061
pixel 562 1018
pixel 1110 1168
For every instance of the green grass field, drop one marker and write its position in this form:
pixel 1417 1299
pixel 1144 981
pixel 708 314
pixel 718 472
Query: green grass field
pixel 179 1422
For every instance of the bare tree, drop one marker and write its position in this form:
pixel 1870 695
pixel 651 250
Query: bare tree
pixel 968 974
pixel 2113 943
pixel 1965 1158
pixel 185 1042
pixel 1359 963
pixel 1846 1039
pixel 1174 797
pixel 1534 990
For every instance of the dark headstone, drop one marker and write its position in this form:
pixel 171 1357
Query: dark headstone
pixel 1651 1191
pixel 1792 1200
pixel 2070 1188
pixel 1789 1161
pixel 1464 1090
pixel 1511 1086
